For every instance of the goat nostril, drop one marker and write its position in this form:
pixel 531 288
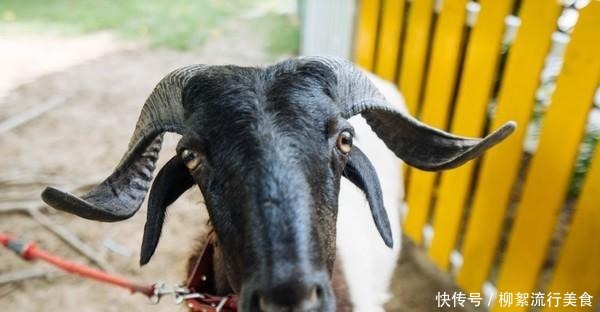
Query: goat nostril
pixel 282 299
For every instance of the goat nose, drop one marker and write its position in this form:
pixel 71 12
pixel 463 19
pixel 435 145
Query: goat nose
pixel 294 298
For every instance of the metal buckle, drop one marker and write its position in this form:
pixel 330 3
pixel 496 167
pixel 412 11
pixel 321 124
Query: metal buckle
pixel 183 293
pixel 159 291
pixel 179 293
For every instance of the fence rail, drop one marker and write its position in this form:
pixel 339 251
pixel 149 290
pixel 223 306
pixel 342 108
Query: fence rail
pixel 466 66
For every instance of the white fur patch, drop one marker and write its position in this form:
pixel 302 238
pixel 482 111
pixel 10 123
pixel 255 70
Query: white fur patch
pixel 368 264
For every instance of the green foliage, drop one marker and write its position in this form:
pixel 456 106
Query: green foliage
pixel 282 33
pixel 179 24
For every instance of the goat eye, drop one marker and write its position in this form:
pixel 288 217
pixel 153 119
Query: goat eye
pixel 190 158
pixel 344 142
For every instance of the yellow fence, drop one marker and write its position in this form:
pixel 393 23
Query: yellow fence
pixel 453 60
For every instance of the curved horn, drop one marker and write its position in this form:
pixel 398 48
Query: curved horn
pixel 120 195
pixel 418 144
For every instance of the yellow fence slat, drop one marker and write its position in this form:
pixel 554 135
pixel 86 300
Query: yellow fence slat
pixel 388 44
pixel 551 167
pixel 436 104
pixel 366 36
pixel 482 57
pixel 500 165
pixel 413 56
pixel 578 268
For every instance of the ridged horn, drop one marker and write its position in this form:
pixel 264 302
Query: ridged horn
pixel 418 144
pixel 120 195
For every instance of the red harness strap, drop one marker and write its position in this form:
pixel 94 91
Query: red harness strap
pixel 202 280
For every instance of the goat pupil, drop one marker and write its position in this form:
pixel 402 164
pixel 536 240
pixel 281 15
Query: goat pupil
pixel 345 142
pixel 190 159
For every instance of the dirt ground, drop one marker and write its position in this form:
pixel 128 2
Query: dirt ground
pixel 80 141
pixel 47 54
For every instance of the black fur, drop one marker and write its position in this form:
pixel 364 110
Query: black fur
pixel 269 168
pixel 361 172
pixel 270 174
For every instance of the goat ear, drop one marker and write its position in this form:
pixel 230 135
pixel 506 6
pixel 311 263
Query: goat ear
pixel 172 181
pixel 361 173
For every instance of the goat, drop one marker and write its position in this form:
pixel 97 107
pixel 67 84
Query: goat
pixel 268 147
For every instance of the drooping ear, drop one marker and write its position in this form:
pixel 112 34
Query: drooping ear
pixel 361 173
pixel 172 181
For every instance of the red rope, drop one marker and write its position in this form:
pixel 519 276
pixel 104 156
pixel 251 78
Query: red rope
pixel 29 251
pixel 4 239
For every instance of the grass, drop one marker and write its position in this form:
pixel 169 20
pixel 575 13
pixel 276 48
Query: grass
pixel 177 24
pixel 282 33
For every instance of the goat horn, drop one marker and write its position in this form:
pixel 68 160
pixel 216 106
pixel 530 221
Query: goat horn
pixel 122 193
pixel 418 144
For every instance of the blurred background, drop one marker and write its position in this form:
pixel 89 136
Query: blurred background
pixel 524 219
